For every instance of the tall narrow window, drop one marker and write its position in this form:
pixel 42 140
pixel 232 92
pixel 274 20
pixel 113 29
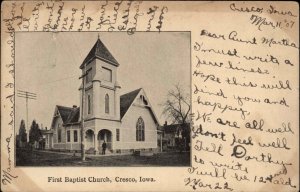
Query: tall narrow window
pixel 106 103
pixel 68 136
pixel 59 135
pixel 75 136
pixel 140 130
pixel 89 104
pixel 88 77
pixel 118 135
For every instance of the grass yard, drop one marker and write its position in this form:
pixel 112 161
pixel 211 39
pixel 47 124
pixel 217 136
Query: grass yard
pixel 40 158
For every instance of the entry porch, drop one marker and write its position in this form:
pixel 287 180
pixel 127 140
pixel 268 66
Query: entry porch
pixel 95 139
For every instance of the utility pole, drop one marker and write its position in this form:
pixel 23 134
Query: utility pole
pixel 27 95
pixel 82 115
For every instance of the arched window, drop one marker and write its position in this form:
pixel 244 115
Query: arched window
pixel 140 130
pixel 89 104
pixel 106 103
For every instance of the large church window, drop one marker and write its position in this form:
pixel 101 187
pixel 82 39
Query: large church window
pixel 140 130
pixel 89 104
pixel 106 103
pixel 107 74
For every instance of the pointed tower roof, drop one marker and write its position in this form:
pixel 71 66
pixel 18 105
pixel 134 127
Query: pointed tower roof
pixel 100 51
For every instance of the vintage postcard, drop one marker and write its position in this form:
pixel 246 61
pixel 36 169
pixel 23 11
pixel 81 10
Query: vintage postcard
pixel 120 117
pixel 149 96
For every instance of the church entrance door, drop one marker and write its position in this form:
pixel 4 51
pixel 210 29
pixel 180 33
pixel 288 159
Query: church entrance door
pixel 105 135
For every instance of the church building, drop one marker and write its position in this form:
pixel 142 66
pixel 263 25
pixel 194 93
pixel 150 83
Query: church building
pixel 127 122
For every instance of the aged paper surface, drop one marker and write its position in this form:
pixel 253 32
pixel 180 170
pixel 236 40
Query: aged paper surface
pixel 244 72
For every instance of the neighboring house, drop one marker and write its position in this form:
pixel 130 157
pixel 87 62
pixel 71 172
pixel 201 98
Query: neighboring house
pixel 174 135
pixel 48 139
pixel 126 123
pixel 42 141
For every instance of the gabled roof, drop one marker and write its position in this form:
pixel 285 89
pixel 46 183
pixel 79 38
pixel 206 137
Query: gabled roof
pixel 171 128
pixel 64 112
pixel 100 51
pixel 74 116
pixel 126 101
pixel 71 115
pixel 175 127
pixel 68 114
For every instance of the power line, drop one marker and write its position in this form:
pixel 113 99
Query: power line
pixel 60 80
pixel 24 92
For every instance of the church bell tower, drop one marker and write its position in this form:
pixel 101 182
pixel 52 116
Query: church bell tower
pixel 102 98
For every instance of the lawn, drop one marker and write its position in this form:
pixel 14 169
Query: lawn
pixel 40 158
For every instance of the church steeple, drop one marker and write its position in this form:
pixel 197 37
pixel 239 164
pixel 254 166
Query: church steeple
pixel 102 96
pixel 100 51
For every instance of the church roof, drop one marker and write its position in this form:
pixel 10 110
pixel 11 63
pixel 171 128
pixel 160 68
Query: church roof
pixel 64 112
pixel 68 114
pixel 71 115
pixel 100 51
pixel 74 116
pixel 126 101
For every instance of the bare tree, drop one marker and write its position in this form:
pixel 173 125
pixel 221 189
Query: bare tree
pixel 177 106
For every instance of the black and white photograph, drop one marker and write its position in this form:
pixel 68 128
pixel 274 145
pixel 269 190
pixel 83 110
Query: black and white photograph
pixel 149 96
pixel 102 99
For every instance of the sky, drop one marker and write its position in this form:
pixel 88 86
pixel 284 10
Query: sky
pixel 47 63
